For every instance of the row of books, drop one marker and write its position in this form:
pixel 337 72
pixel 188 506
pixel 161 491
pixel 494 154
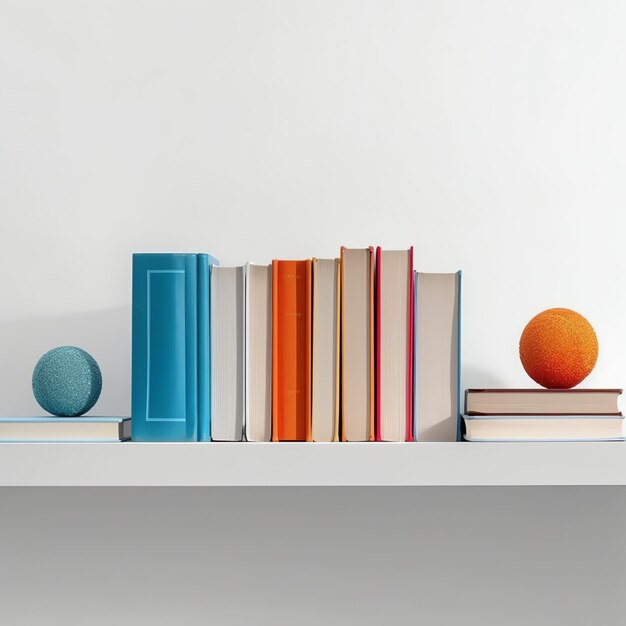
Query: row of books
pixel 543 415
pixel 358 348
pixel 490 415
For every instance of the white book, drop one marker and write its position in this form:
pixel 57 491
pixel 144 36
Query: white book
pixel 544 427
pixel 436 364
pixel 258 417
pixel 325 351
pixel 227 353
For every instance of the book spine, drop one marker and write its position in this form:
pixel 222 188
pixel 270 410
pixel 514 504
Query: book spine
pixel 204 350
pixel 409 365
pixel 377 324
pixel 415 355
pixel 308 310
pixel 337 349
pixel 460 424
pixel 342 349
pixel 246 338
pixel 371 347
pixel 291 336
pixel 275 409
pixel 164 347
pixel 243 352
pixel 228 353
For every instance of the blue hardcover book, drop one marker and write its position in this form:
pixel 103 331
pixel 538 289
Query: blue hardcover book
pixel 169 365
pixel 65 429
pixel 437 357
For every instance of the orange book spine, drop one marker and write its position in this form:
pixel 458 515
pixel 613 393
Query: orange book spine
pixel 291 350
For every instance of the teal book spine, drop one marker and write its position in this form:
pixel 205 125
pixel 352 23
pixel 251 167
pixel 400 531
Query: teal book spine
pixel 165 347
pixel 204 346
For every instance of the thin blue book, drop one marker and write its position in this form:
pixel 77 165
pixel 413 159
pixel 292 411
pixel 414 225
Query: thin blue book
pixel 65 429
pixel 170 347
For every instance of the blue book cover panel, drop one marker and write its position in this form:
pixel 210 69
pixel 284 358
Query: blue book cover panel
pixel 164 347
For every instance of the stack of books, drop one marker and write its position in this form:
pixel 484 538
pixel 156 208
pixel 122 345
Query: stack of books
pixel 355 348
pixel 543 415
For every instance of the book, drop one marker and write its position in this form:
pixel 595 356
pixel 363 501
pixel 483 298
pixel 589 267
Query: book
pixel 227 353
pixel 542 401
pixel 357 344
pixel 258 415
pixel 394 343
pixel 291 350
pixel 64 429
pixel 325 350
pixel 204 346
pixel 169 313
pixel 544 428
pixel 437 357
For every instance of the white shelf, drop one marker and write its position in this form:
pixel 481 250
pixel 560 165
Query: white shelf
pixel 312 464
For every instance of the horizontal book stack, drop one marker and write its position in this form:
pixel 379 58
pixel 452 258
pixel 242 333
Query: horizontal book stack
pixel 543 415
pixel 356 348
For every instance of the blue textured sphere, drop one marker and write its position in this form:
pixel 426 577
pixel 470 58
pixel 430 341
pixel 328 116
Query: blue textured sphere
pixel 67 381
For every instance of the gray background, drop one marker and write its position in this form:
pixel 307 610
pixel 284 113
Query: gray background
pixel 473 556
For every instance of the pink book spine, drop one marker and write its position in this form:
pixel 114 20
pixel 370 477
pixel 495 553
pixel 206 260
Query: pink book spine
pixel 409 360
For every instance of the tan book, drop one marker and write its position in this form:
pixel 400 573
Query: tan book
pixel 542 401
pixel 258 418
pixel 357 344
pixel 97 429
pixel 394 345
pixel 325 351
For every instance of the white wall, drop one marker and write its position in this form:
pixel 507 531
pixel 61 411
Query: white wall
pixel 488 134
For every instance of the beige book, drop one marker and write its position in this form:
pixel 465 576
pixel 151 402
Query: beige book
pixel 394 277
pixel 357 344
pixel 258 419
pixel 50 428
pixel 542 401
pixel 227 353
pixel 437 356
pixel 325 351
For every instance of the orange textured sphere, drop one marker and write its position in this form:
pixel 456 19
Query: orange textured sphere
pixel 558 348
